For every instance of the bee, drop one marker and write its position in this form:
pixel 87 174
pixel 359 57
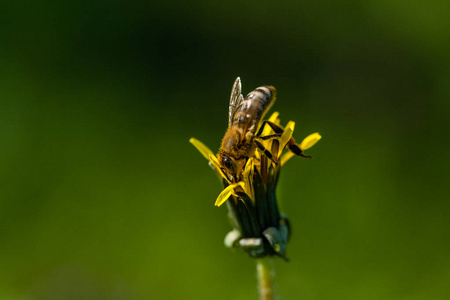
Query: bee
pixel 245 127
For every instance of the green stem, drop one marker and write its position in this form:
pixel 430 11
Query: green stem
pixel 265 272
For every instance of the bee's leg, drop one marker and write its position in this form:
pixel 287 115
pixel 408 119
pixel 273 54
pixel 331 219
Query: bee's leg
pixel 261 128
pixel 278 130
pixel 292 146
pixel 267 137
pixel 265 151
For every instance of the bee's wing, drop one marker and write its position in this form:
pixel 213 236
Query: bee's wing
pixel 235 100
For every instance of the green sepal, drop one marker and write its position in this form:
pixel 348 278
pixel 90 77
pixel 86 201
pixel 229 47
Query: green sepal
pixel 253 246
pixel 276 239
pixel 232 239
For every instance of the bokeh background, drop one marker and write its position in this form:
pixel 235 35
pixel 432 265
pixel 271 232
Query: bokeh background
pixel 102 196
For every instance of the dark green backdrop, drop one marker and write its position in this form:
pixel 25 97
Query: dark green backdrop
pixel 102 196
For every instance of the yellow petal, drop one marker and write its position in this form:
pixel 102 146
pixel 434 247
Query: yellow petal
pixel 215 162
pixel 225 194
pixel 266 131
pixel 248 167
pixel 310 141
pixel 205 151
pixel 284 139
pixel 274 117
pixel 248 174
pixel 257 155
pixel 291 124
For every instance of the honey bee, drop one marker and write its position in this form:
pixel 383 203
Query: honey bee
pixel 245 127
pixel 244 119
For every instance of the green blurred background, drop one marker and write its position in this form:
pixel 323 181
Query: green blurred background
pixel 102 196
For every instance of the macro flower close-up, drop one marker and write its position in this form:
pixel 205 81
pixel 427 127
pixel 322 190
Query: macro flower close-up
pixel 103 197
pixel 259 227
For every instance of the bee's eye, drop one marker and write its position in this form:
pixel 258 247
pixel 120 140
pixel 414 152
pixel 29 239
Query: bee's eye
pixel 226 162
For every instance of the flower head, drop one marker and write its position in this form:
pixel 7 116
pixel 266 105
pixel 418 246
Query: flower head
pixel 259 228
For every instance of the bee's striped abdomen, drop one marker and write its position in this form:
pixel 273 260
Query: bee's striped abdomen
pixel 266 96
pixel 254 107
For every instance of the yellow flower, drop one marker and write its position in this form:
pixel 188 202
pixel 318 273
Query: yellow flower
pixel 259 227
pixel 245 185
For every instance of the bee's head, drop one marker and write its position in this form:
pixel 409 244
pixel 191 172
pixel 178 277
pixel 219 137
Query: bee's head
pixel 231 166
